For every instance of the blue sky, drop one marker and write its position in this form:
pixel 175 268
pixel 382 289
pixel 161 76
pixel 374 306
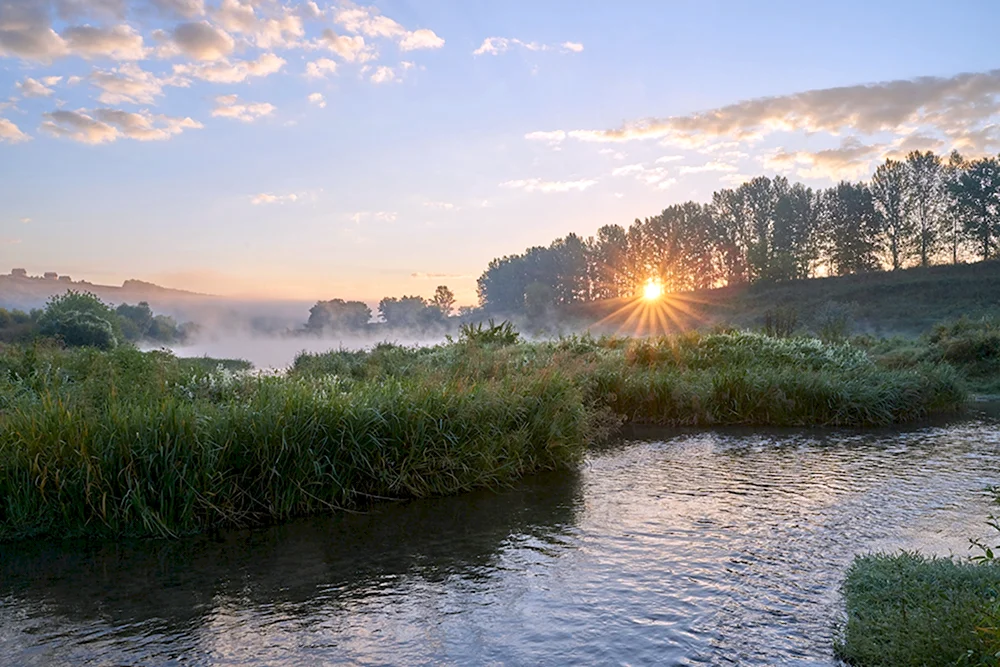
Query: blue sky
pixel 320 150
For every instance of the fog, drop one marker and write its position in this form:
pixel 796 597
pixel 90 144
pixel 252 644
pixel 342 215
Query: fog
pixel 278 352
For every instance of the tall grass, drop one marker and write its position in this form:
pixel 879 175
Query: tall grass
pixel 125 442
pixel 906 610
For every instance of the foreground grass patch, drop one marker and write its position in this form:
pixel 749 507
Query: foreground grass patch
pixel 907 609
pixel 131 443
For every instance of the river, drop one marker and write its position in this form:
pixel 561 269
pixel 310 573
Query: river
pixel 675 547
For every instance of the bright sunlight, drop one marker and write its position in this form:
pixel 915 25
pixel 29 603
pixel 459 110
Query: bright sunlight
pixel 652 291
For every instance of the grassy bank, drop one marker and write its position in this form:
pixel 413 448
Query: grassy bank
pixel 907 610
pixel 130 443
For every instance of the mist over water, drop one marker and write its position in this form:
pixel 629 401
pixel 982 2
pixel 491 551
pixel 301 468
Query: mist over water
pixel 278 352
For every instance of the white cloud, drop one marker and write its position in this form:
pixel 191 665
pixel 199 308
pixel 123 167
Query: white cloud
pixel 378 216
pixel 851 159
pixel 539 185
pixel 553 138
pixel 268 198
pixel 319 69
pixel 494 46
pixel 131 84
pixel 26 32
pixel 384 74
pixel 441 205
pixel 669 158
pixel 224 71
pixel 11 132
pixel 280 27
pixel 351 49
pixel 318 100
pixel 957 107
pixel 183 8
pixel 367 21
pixel 708 166
pixel 105 9
pixel 120 42
pixel 230 106
pixel 32 88
pixel 203 41
pixel 420 39
pixel 107 125
pixel 653 176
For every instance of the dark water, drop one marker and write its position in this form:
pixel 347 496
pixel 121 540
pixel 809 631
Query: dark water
pixel 687 548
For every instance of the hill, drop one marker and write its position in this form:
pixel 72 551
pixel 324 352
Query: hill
pixel 905 302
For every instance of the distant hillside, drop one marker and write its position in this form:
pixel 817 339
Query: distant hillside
pixel 905 302
pixel 26 292
pixel 213 312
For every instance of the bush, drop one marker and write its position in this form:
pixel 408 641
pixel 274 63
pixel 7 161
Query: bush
pixel 80 329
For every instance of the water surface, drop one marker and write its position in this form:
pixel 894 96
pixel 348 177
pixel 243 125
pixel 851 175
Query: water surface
pixel 685 548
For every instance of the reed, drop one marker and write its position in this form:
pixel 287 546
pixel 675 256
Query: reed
pixel 130 443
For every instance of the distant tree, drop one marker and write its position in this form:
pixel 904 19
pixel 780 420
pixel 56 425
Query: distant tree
pixel 927 198
pixel 539 299
pixel 338 315
pixel 80 318
pixel 954 229
pixel 164 329
pixel 134 321
pixel 606 263
pixel 977 195
pixel 890 186
pixel 730 233
pixel 851 226
pixel 80 329
pixel 444 300
pixel 408 312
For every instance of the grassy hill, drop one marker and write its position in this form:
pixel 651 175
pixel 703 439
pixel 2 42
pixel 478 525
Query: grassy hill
pixel 906 302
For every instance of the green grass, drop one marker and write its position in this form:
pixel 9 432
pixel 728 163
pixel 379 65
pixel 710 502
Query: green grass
pixel 908 610
pixel 131 443
pixel 970 345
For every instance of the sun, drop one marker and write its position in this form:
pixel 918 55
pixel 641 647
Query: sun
pixel 652 291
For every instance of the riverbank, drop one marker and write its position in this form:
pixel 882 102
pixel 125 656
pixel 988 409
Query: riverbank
pixel 906 609
pixel 131 443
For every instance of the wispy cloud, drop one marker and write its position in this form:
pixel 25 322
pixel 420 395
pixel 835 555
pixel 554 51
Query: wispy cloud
pixel 539 185
pixel 107 125
pixel 230 106
pixel 11 133
pixel 494 46
pixel 317 99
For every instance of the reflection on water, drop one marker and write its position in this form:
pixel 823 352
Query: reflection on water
pixel 682 548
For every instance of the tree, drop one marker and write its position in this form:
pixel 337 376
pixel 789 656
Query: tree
pixel 412 312
pixel 444 300
pixel 80 329
pixel 338 315
pixel 977 195
pixel 851 228
pixel 927 196
pixel 80 318
pixel 891 194
pixel 135 321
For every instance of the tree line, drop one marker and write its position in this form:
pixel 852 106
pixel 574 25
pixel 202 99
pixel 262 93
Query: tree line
pixel 921 210
pixel 406 312
pixel 82 319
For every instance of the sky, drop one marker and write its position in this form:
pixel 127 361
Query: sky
pixel 315 150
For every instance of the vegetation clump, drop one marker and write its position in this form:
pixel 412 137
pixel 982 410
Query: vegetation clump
pixel 119 441
pixel 906 609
